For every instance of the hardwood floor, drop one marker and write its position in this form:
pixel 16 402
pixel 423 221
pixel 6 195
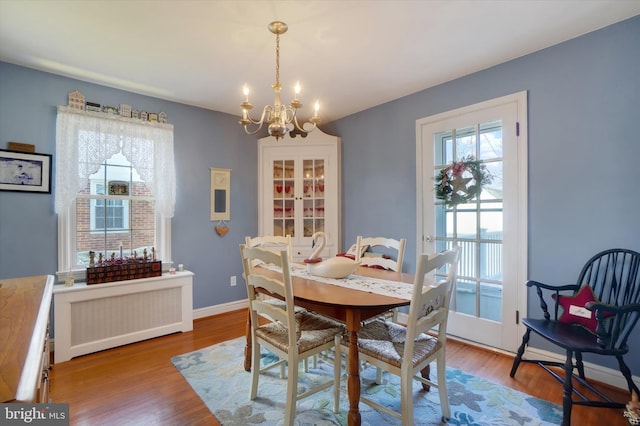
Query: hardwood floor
pixel 137 384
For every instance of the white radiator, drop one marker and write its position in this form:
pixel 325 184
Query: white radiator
pixel 101 316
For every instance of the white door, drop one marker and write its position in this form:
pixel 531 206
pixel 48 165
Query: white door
pixel 482 144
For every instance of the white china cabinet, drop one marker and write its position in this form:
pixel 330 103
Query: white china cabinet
pixel 299 190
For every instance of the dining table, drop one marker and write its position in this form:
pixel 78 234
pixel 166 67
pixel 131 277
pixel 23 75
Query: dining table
pixel 366 293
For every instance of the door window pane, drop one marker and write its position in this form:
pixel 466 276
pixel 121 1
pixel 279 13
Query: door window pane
pixel 490 141
pixel 476 226
pixel 491 301
pixel 465 297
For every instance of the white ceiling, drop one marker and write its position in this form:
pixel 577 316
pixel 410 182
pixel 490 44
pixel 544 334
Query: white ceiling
pixel 350 55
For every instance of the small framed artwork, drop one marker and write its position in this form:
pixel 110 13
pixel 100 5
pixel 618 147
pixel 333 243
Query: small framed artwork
pixel 25 172
pixel 220 194
pixel 118 187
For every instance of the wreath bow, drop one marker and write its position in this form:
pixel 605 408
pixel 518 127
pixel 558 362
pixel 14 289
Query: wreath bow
pixel 461 181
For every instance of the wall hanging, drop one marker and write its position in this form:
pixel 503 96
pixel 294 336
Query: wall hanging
pixel 220 198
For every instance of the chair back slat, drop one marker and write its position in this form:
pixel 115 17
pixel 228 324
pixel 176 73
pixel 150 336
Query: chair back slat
pixel 615 279
pixel 430 305
pixel 614 276
pixel 390 245
pixel 274 243
pixel 433 301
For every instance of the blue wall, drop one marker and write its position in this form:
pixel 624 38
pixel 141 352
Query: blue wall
pixel 584 154
pixel 202 139
pixel 584 106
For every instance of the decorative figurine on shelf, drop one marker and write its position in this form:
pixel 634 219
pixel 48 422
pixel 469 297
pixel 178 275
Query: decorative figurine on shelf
pixel 69 281
pixel 125 110
pixel 76 100
pixel 92 258
pixel 144 254
pixel 99 258
pixel 153 254
pixel 92 106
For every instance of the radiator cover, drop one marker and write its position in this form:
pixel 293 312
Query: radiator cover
pixel 97 317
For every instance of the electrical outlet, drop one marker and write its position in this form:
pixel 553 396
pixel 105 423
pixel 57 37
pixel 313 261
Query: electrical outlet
pixel 233 280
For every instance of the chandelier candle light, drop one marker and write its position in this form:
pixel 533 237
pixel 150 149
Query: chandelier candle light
pixel 281 118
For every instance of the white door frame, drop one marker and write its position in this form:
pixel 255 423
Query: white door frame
pixel 519 171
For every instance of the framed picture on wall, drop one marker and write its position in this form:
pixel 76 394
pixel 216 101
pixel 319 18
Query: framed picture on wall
pixel 220 194
pixel 25 172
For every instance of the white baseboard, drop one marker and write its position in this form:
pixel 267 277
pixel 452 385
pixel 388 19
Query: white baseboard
pixel 592 371
pixel 220 309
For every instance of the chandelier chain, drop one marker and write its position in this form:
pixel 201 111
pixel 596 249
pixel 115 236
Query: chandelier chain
pixel 278 59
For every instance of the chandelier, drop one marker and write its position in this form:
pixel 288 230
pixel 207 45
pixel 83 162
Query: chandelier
pixel 281 118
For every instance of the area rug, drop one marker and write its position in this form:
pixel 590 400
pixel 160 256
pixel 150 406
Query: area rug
pixel 217 376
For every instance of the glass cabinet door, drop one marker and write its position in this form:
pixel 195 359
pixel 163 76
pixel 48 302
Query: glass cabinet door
pixel 298 197
pixel 284 198
pixel 313 196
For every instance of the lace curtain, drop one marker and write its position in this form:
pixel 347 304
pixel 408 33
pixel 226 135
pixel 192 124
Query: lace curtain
pixel 84 140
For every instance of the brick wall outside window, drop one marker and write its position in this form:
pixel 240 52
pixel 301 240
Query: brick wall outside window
pixel 141 225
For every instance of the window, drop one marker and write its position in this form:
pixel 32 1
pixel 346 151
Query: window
pixel 117 193
pixel 107 214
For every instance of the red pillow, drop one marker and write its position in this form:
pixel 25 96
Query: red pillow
pixel 574 311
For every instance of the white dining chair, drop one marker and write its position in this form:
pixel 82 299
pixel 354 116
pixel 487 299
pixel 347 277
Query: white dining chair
pixel 408 350
pixel 390 257
pixel 292 336
pixel 273 243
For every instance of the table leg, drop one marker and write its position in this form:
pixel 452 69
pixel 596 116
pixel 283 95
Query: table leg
pixel 353 366
pixel 425 375
pixel 247 348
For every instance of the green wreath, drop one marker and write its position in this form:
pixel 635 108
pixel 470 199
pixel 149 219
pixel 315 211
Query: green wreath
pixel 461 181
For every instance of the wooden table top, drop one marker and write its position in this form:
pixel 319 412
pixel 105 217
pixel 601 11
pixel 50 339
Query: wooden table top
pixel 23 302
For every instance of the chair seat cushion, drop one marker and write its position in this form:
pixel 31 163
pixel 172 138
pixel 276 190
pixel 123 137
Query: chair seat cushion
pixel 313 330
pixel 567 336
pixel 385 340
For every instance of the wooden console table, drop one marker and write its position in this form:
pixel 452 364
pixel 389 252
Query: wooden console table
pixel 24 338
